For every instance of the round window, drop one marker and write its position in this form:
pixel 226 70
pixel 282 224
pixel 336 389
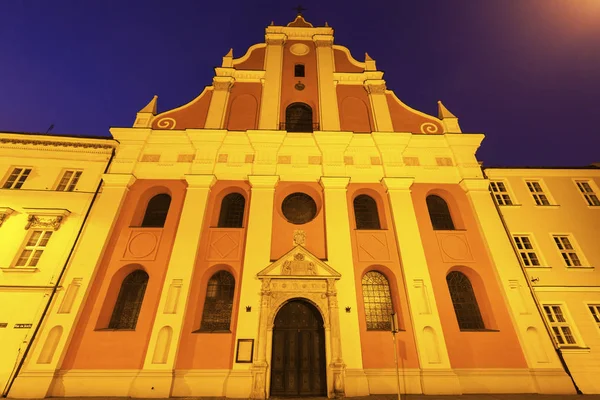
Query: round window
pixel 299 208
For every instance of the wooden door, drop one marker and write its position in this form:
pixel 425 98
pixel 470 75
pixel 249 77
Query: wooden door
pixel 298 361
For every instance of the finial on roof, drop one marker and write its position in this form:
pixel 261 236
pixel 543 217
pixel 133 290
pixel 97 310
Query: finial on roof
pixel 272 23
pixel 449 120
pixel 151 106
pixel 299 9
pixel 326 24
pixel 228 59
pixel 369 63
pixel 443 112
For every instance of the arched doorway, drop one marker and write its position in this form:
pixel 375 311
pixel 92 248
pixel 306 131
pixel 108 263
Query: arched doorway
pixel 299 118
pixel 298 358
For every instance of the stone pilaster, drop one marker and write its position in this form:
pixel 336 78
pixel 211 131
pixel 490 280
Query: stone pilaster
pixel 538 349
pixel 437 375
pixel 166 331
pixel 271 94
pixel 381 112
pixel 339 256
pixel 36 376
pixel 257 255
pixel 329 113
pixel 218 103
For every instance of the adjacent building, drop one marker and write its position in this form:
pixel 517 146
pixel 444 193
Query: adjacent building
pixel 553 217
pixel 48 186
pixel 255 242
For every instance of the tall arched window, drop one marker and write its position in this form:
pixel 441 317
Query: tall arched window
pixel 298 118
pixel 129 302
pixel 439 213
pixel 157 210
pixel 218 304
pixel 365 212
pixel 232 211
pixel 464 302
pixel 377 300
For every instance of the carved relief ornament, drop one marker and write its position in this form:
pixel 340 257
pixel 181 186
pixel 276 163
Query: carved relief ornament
pixel 376 89
pixel 4 214
pixel 45 219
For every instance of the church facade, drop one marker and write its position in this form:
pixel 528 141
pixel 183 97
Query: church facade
pixel 267 237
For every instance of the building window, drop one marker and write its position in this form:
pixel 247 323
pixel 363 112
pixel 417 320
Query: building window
pixel 365 212
pixel 35 246
pixel 560 327
pixel 588 193
pixel 595 310
pixel 526 250
pixel 232 211
pixel 500 193
pixel 68 181
pixel 157 210
pixel 464 302
pixel 299 70
pixel 17 178
pixel 567 251
pixel 377 300
pixel 129 302
pixel 218 304
pixel 439 213
pixel 538 193
pixel 299 208
pixel 298 118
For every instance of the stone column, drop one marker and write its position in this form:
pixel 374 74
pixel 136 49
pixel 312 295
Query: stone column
pixel 538 349
pixel 328 105
pixel 38 371
pixel 155 379
pixel 437 375
pixel 379 105
pixel 218 103
pixel 339 256
pixel 271 91
pixel 257 256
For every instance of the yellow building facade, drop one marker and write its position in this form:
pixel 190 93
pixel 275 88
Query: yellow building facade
pixel 553 218
pixel 267 237
pixel 48 185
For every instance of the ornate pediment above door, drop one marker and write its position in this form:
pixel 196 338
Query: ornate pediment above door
pixel 299 263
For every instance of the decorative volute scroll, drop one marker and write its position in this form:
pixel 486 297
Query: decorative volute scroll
pixel 45 218
pixel 5 212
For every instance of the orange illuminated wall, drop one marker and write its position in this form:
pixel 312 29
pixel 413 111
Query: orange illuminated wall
pixel 130 247
pixel 463 249
pixel 377 250
pixel 220 249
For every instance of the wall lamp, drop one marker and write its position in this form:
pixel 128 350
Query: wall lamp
pixel 348 309
pixel 248 308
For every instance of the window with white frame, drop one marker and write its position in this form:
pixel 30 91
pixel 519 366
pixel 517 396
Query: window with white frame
pixel 16 178
pixel 537 192
pixel 69 181
pixel 526 250
pixel 500 193
pixel 567 250
pixel 559 325
pixel 595 310
pixel 588 193
pixel 35 246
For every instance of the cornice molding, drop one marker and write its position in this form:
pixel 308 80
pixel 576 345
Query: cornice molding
pixel 57 143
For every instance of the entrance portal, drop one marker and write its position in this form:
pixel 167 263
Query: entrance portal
pixel 298 361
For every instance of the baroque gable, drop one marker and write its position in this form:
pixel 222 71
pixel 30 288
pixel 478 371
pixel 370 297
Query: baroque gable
pixel 299 263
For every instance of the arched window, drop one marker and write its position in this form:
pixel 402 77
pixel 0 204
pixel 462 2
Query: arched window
pixel 157 210
pixel 232 211
pixel 464 302
pixel 298 118
pixel 365 212
pixel 377 300
pixel 218 303
pixel 439 213
pixel 129 301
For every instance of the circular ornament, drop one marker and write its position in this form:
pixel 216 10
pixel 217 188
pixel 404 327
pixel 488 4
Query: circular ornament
pixel 299 49
pixel 299 86
pixel 299 208
pixel 142 244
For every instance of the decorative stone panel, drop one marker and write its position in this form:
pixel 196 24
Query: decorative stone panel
pixel 4 213
pixel 142 244
pixel 454 246
pixel 224 244
pixel 372 245
pixel 43 218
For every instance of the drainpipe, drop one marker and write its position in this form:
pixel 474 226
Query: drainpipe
pixel 533 294
pixel 56 286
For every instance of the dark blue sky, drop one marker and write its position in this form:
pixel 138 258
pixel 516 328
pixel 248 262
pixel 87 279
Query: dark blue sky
pixel 524 72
